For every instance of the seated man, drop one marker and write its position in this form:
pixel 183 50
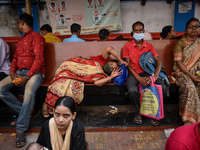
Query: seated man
pixel 104 34
pixel 186 137
pixel 132 52
pixel 46 31
pixel 76 31
pixel 27 69
pixel 75 71
pixel 4 59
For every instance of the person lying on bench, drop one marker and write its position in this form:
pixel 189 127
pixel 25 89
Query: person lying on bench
pixel 71 75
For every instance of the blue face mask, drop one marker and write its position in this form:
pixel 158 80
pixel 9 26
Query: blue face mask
pixel 138 36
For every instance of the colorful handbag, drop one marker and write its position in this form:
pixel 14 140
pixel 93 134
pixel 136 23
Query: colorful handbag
pixel 121 79
pixel 151 100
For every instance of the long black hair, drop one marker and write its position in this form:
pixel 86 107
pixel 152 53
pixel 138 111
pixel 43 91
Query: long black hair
pixel 165 31
pixel 67 102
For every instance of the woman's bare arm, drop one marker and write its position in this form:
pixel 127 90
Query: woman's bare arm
pixel 111 51
pixel 115 73
pixel 196 79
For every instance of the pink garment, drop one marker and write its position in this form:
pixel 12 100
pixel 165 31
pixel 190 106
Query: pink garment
pixel 186 137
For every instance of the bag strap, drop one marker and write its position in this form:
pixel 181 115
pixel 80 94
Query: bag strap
pixel 152 80
pixel 148 64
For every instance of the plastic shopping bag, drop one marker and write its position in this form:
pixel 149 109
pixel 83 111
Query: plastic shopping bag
pixel 121 79
pixel 151 101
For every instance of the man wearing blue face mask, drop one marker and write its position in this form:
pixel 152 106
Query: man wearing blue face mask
pixel 132 52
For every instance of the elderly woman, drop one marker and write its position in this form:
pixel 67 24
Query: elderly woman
pixel 71 75
pixel 187 62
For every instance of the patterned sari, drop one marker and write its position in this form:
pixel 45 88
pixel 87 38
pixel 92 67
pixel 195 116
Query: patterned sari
pixel 189 102
pixel 70 78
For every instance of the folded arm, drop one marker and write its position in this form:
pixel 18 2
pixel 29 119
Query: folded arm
pixel 111 51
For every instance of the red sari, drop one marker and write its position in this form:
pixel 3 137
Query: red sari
pixel 70 78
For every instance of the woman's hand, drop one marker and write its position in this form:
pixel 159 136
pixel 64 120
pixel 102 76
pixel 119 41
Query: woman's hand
pixel 125 63
pixel 195 79
pixel 116 72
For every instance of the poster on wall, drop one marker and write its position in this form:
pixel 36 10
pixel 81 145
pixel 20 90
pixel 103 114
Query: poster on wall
pixel 184 10
pixel 92 15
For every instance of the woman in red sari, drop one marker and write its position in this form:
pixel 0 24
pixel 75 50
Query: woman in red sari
pixel 71 75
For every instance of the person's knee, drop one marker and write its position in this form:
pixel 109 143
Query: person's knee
pixel 134 94
pixel 5 85
pixel 2 90
pixel 131 87
pixel 29 95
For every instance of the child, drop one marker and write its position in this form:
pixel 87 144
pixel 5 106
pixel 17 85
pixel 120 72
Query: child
pixel 35 146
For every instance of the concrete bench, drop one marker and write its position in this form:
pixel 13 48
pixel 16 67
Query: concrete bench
pixel 56 53
pixel 95 37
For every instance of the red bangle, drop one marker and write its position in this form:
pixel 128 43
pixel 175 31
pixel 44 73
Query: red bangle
pixel 136 75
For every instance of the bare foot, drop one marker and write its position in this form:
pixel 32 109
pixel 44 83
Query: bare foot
pixel 50 110
pixel 45 111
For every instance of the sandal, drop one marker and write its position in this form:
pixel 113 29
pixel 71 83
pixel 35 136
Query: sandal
pixel 137 119
pixel 154 122
pixel 45 111
pixel 20 139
